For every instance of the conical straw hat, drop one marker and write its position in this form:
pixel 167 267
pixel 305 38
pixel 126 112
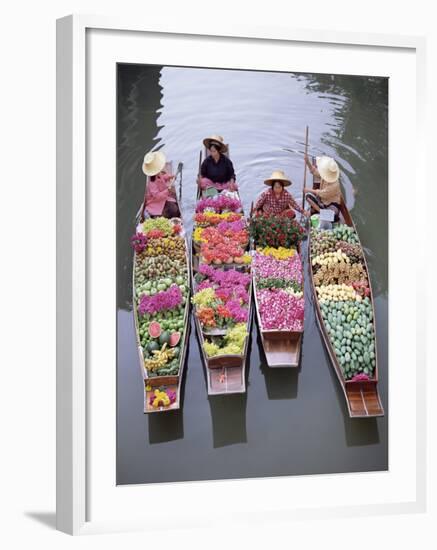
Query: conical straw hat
pixel 328 169
pixel 278 175
pixel 153 163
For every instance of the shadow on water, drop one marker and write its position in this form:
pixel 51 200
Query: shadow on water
pixel 167 426
pixel 228 415
pixel 228 412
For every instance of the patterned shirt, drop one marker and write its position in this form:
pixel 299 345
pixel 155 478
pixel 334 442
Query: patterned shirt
pixel 270 203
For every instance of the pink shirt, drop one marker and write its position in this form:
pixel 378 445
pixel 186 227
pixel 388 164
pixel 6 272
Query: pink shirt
pixel 157 193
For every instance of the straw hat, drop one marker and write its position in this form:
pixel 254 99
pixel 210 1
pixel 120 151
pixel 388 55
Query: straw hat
pixel 153 163
pixel 278 175
pixel 328 169
pixel 215 140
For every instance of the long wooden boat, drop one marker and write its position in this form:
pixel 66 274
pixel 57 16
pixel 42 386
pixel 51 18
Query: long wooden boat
pixel 170 384
pixel 282 348
pixel 362 397
pixel 225 374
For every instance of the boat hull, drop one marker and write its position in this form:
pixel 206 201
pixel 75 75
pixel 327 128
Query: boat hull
pixel 361 397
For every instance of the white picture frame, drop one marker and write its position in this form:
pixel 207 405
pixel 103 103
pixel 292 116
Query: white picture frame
pixel 73 439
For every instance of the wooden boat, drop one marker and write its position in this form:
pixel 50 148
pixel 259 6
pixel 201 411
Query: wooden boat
pixel 225 374
pixel 362 397
pixel 171 383
pixel 282 348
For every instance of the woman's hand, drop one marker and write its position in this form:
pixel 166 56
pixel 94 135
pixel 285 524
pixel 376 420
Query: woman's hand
pixel 233 186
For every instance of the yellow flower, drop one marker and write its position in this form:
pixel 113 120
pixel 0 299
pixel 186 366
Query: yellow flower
pixel 198 234
pixel 280 253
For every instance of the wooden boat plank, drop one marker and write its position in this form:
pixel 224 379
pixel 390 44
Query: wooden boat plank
pixel 282 348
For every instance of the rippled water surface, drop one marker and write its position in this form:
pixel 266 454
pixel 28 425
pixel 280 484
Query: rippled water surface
pixel 289 422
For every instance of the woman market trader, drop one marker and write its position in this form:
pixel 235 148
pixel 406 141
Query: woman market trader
pixel 217 170
pixel 160 195
pixel 277 200
pixel 329 194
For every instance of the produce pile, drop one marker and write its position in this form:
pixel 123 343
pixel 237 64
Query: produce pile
pixel 279 291
pixel 221 297
pixel 222 282
pixel 161 298
pixel 343 292
pixel 220 231
pixel 278 272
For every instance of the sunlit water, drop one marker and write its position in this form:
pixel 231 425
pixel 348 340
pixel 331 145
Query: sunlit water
pixel 289 422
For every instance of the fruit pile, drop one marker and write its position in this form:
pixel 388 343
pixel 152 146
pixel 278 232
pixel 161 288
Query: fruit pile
pixel 221 297
pixel 340 273
pixel 161 295
pixel 343 291
pixel 352 334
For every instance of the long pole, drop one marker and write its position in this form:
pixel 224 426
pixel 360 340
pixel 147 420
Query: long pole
pixel 305 168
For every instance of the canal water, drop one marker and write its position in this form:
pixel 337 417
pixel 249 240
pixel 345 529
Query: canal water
pixel 290 422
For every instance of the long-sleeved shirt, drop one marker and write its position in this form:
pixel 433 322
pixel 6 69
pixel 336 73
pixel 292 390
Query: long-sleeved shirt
pixel 157 194
pixel 218 172
pixel 328 192
pixel 270 203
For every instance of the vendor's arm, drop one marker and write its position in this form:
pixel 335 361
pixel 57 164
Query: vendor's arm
pixel 153 191
pixel 231 171
pixel 311 167
pixel 260 201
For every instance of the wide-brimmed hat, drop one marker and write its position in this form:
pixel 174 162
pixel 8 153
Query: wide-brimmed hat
pixel 278 175
pixel 216 140
pixel 328 169
pixel 153 163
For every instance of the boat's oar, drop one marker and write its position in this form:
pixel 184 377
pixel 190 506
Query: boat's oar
pixel 305 168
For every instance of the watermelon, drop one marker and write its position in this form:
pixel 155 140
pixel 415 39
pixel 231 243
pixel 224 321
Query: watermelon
pixel 152 346
pixel 164 337
pixel 174 339
pixel 154 329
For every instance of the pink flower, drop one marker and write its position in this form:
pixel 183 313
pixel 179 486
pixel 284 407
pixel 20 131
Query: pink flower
pixel 219 204
pixel 167 299
pixel 280 310
pixel 289 269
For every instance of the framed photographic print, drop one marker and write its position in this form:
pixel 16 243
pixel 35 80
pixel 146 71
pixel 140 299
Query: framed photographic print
pixel 231 288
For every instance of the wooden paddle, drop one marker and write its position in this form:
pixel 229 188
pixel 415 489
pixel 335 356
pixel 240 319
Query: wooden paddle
pixel 305 168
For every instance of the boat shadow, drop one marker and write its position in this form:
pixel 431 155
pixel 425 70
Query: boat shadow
pixel 281 383
pixel 228 412
pixel 167 426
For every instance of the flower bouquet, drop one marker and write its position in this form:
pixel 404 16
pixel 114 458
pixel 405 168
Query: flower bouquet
pixel 275 231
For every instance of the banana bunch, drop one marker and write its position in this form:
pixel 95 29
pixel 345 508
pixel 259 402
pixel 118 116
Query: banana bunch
pixel 161 357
